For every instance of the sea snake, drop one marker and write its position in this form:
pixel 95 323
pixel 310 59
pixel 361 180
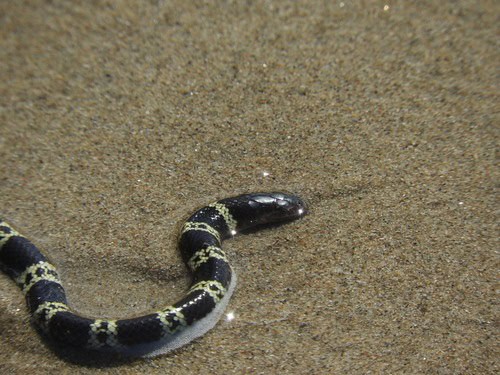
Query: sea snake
pixel 195 313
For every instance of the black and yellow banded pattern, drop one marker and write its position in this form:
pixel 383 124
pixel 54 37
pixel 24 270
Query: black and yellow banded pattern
pixel 171 327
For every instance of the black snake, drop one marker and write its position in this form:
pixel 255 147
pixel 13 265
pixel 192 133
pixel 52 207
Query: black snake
pixel 171 327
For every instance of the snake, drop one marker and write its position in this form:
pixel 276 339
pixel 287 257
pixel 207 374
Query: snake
pixel 171 327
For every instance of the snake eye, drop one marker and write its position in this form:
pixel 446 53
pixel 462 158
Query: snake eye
pixel 294 206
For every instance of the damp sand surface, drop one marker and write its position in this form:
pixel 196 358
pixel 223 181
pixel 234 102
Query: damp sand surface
pixel 118 119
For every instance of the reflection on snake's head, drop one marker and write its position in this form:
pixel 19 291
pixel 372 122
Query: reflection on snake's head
pixel 276 207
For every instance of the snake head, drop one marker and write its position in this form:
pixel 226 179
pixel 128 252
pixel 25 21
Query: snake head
pixel 261 209
pixel 278 206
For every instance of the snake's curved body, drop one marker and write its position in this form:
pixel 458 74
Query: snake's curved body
pixel 166 329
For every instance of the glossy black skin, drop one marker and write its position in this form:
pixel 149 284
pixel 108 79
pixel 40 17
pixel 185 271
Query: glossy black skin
pixel 260 209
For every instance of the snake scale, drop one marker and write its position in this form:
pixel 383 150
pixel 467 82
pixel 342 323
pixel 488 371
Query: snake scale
pixel 195 313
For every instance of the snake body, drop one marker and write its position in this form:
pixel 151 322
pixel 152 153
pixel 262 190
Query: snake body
pixel 171 327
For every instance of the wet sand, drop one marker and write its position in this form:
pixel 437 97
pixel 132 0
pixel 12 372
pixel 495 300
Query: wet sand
pixel 118 119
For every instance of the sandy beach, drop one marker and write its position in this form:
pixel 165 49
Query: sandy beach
pixel 118 119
